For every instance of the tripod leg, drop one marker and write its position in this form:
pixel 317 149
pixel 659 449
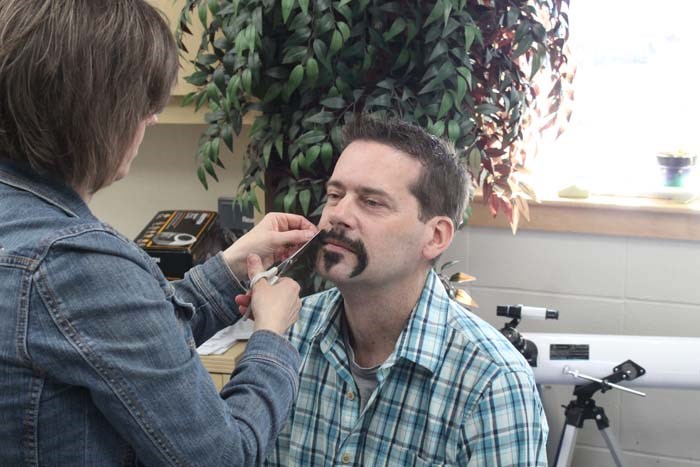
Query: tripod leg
pixel 567 443
pixel 612 446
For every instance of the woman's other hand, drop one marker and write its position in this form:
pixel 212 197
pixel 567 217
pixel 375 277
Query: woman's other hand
pixel 276 307
pixel 273 239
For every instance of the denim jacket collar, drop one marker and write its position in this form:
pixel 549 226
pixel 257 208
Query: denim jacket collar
pixel 51 191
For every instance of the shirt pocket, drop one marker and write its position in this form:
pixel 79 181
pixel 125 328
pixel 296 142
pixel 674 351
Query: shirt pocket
pixel 409 458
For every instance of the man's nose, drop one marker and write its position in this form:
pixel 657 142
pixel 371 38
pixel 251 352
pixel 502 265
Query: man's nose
pixel 342 213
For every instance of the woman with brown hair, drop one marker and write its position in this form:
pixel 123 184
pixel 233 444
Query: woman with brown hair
pixel 97 350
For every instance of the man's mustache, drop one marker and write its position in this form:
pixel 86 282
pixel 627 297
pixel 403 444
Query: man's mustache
pixel 356 246
pixel 337 236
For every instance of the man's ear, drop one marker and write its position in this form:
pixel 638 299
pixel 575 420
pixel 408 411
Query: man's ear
pixel 439 234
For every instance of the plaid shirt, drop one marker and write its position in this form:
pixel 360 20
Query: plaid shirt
pixel 453 392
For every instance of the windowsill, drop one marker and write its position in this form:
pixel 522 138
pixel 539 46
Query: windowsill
pixel 604 215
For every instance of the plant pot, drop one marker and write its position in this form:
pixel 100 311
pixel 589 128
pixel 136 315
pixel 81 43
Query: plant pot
pixel 675 170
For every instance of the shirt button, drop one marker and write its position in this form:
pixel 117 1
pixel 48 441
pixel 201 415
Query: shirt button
pixel 346 458
pixel 351 395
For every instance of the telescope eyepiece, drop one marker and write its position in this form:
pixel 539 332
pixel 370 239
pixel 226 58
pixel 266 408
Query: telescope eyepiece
pixel 521 311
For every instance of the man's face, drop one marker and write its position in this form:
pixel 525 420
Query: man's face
pixel 372 232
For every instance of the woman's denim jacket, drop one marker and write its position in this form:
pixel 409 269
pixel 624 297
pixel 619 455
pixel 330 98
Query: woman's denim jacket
pixel 97 349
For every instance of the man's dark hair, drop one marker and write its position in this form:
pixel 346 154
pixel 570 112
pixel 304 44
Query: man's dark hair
pixel 77 78
pixel 442 187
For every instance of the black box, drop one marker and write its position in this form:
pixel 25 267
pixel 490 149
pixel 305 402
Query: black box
pixel 180 239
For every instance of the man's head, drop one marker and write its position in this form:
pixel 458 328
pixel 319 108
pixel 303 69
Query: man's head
pixel 395 198
pixel 78 81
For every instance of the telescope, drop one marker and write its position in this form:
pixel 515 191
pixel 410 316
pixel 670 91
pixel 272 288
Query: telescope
pixel 669 362
pixel 557 358
pixel 598 362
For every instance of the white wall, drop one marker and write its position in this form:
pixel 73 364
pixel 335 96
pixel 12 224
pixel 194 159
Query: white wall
pixel 607 285
pixel 163 176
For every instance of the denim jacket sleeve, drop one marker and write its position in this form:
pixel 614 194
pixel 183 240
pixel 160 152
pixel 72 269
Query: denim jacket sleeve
pixel 100 320
pixel 210 290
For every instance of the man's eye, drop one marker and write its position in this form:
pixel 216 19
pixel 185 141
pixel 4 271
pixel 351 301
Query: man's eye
pixel 373 203
pixel 332 196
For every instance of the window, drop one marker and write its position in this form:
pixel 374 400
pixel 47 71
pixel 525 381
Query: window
pixel 637 92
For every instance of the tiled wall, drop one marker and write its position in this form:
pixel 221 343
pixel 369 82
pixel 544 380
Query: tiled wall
pixel 605 285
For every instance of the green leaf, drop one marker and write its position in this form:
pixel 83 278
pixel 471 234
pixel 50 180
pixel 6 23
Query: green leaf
pixel 437 12
pixel 272 92
pixel 295 78
pixel 311 71
pixel 461 90
pixel 453 131
pixel 336 43
pixel 536 63
pixel 383 100
pixel 187 100
pixel 304 4
pixel 214 6
pixel 267 149
pixel 344 30
pixel 212 92
pixel 300 20
pixel 227 136
pixel 326 155
pixel 295 54
pixel 218 79
pixel 290 198
pixel 254 199
pixel 334 103
pixel 305 200
pixel 247 81
pixel 287 6
pixel 294 167
pixel 445 105
pixel 214 154
pixel 439 49
pixel 279 145
pixel 431 86
pixel 437 129
pixel 198 78
pixel 202 177
pixel 203 14
pixel 469 35
pixel 312 154
pixel 395 29
pixel 487 109
pixel 209 167
pixel 474 161
pixel 512 15
pixel 321 118
pixel 320 49
pixel 523 45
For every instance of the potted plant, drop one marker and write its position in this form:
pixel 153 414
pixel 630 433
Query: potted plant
pixel 675 167
pixel 465 70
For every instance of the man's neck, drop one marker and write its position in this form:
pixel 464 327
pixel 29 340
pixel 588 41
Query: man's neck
pixel 377 315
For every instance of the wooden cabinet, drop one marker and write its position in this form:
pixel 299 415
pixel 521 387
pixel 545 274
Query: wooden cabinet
pixel 221 366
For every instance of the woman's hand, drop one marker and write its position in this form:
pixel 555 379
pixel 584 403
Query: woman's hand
pixel 274 307
pixel 274 238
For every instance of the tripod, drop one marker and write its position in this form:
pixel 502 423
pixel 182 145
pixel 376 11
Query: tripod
pixel 584 408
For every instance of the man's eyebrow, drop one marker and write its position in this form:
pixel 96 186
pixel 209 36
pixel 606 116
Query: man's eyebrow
pixel 334 184
pixel 363 190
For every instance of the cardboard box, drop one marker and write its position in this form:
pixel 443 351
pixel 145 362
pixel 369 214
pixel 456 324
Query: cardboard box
pixel 180 239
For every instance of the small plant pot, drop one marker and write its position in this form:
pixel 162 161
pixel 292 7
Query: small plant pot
pixel 675 170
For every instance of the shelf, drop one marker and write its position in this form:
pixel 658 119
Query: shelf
pixel 604 215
